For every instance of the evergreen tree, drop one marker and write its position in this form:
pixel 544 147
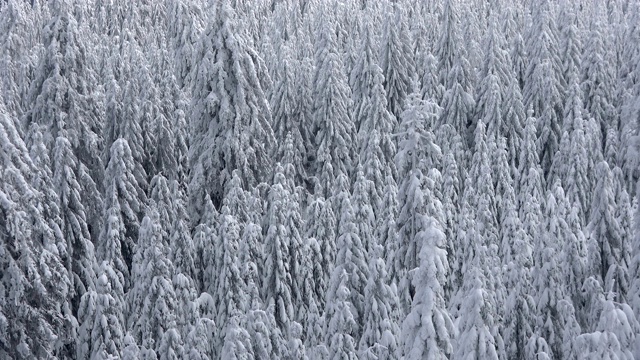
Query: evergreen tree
pixel 286 109
pixel 81 264
pixel 101 332
pixel 278 283
pixel 230 291
pixel 604 230
pixel 351 258
pixel 320 225
pixel 334 131
pixel 542 90
pixel 362 79
pixel 152 299
pixel 185 23
pixel 476 338
pixel 597 80
pixel 35 285
pixel 236 342
pixel 396 60
pixel 124 201
pixel 428 329
pixel 376 147
pixel 341 324
pixel 60 96
pixel 228 86
pixel 380 331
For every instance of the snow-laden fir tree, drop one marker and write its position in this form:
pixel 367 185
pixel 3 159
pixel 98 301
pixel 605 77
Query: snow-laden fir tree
pixel 81 263
pixel 151 299
pixel 396 59
pixel 334 131
pixel 376 146
pixel 230 290
pixel 428 328
pixel 101 332
pixel 457 103
pixel 362 78
pixel 417 153
pixel 380 330
pixel 606 250
pixel 286 109
pixel 542 88
pixel 237 345
pixel 597 79
pixel 341 322
pixel 60 96
pixel 363 197
pixel 476 323
pixel 614 337
pixel 351 258
pixel 571 162
pixel 230 125
pixel 123 202
pixel 320 224
pixel 548 281
pixel 278 283
pixel 185 24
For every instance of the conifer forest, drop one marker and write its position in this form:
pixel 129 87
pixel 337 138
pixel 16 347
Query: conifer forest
pixel 319 179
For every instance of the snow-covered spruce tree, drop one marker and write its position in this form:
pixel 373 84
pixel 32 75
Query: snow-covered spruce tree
pixel 230 289
pixel 205 239
pixel 341 323
pixel 476 324
pixel 237 344
pixel 519 309
pixel 597 79
pixel 123 202
pixel 185 24
pixel 458 103
pixel 514 122
pixel 376 147
pixel 362 77
pixel 334 131
pixel 363 197
pixel 571 162
pixel 542 88
pixel 530 179
pixel 286 109
pixel 431 86
pixel 163 200
pixel 350 258
pixel 151 300
pixel 614 337
pixel 573 246
pixel 484 198
pixel 570 45
pixel 605 233
pixel 428 328
pixel 277 286
pixel 380 331
pixel 101 331
pixel 182 249
pixel 396 59
pixel 81 261
pixel 416 153
pixel 228 91
pixel 34 285
pixel 18 32
pixel 60 96
pixel 386 230
pixel 448 47
pixel 548 282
